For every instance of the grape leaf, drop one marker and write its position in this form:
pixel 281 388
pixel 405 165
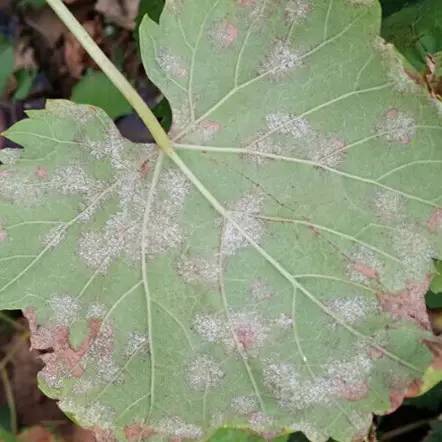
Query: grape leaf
pixel 270 274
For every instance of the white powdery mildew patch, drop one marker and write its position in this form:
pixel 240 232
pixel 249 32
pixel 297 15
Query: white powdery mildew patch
pixel 288 124
pixel 122 232
pixel 55 236
pixel 297 10
pixel 20 189
pixel 92 415
pixel 392 60
pixel 284 321
pixel 327 152
pixel 341 378
pixel 171 64
pixel 353 309
pixel 9 156
pixel 224 34
pixel 389 205
pixel 243 214
pixel 414 251
pixel 135 342
pixel 96 311
pixel 209 327
pixel 204 372
pixel 280 61
pixel 66 309
pixel 260 291
pixel 364 265
pixel 245 329
pixel 244 405
pixel 260 422
pixel 206 130
pixel 176 429
pixel 397 126
pixel 72 180
pixel 196 269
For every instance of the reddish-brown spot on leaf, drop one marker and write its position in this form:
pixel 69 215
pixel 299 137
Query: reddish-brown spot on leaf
pixel 138 432
pixel 434 223
pixel 402 391
pixel 226 34
pixel 247 3
pixel 408 304
pixel 352 392
pixel 63 358
pixel 3 235
pixel 365 270
pixel 145 169
pixel 41 172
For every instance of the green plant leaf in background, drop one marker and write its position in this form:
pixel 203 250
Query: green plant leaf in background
pixel 416 30
pixel 96 89
pixel 7 62
pixel 281 287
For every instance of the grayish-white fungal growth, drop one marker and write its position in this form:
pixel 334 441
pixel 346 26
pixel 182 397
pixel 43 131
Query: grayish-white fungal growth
pixel 364 265
pixel 352 309
pixel 280 61
pixel 171 64
pixel 297 10
pixel 397 126
pixel 55 236
pixel 260 291
pixel 176 429
pixel 203 372
pixel 414 251
pixel 389 205
pixel 244 405
pixel 198 270
pixel 224 34
pixel 135 342
pixel 326 151
pixel 288 124
pixel 260 421
pixel 96 311
pixel 211 328
pixel 9 156
pixel 243 215
pixel 93 415
pixel 65 309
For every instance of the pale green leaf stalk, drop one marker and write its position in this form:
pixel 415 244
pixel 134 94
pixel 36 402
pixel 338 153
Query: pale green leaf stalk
pixel 265 269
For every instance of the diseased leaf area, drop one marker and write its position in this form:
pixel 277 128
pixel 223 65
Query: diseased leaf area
pixel 281 287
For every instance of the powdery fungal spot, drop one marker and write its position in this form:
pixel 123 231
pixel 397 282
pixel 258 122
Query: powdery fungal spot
pixel 288 124
pixel 65 308
pixel 198 270
pixel 364 265
pixel 95 415
pixel 297 10
pixel 246 329
pixel 353 309
pixel 8 156
pixel 176 429
pixel 284 322
pixel 260 422
pixel 135 342
pixel 280 61
pixel 209 327
pixel 207 129
pixel 328 152
pixel 224 34
pixel 121 235
pixel 389 205
pixel 203 372
pixel 414 250
pixel 171 64
pixel 244 405
pixel 243 214
pixel 96 311
pixel 397 126
pixel 402 81
pixel 260 291
pixel 408 304
pixel 55 236
pixel 20 189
